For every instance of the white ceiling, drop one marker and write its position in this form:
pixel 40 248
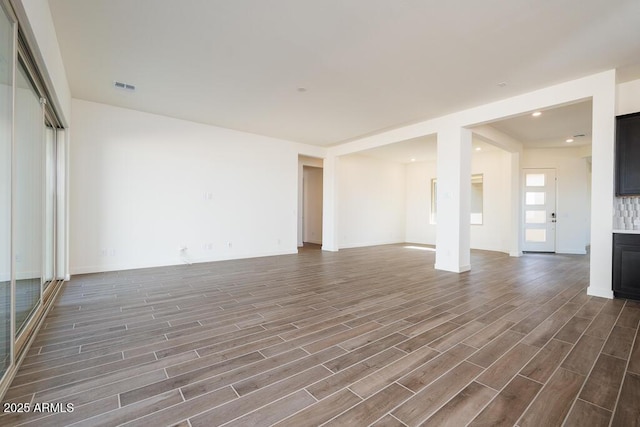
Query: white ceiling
pixel 421 149
pixel 424 148
pixel 550 129
pixel 366 65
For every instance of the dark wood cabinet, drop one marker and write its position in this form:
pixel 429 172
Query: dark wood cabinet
pixel 628 155
pixel 626 265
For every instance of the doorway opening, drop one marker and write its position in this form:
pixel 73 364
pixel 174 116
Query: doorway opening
pixel 312 205
pixel 310 202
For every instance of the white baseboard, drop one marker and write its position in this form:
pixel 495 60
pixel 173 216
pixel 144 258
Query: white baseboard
pixel 366 244
pixel 315 242
pixel 604 293
pixel 173 262
pixel 572 251
pixel 453 268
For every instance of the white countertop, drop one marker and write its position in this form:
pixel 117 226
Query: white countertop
pixel 627 231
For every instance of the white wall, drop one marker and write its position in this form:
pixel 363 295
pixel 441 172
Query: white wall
pixel 143 185
pixel 494 233
pixel 418 205
pixel 628 97
pixel 371 201
pixel 312 206
pixel 573 210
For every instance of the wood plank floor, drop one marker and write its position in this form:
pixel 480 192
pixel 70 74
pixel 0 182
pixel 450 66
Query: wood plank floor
pixel 368 336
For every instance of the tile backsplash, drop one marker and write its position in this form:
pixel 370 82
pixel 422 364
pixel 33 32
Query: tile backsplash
pixel 626 213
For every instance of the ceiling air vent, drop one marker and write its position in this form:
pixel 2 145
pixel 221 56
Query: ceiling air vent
pixel 124 86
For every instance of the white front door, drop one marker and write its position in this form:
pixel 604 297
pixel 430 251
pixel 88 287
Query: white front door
pixel 539 210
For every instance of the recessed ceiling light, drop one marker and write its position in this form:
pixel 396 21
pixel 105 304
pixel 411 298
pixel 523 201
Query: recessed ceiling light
pixel 502 84
pixel 569 140
pixel 478 149
pixel 537 114
pixel 413 160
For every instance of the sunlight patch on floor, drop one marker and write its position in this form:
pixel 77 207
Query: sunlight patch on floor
pixel 421 248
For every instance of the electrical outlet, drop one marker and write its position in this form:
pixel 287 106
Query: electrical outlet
pixel 229 245
pixel 103 252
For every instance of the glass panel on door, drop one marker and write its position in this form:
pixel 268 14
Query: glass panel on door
pixel 535 217
pixel 534 180
pixel 534 198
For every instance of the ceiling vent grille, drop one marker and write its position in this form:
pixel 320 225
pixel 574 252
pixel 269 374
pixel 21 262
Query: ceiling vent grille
pixel 124 86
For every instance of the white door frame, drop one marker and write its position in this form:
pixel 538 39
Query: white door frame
pixel 539 214
pixel 310 200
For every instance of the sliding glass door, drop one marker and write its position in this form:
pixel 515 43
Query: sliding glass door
pixel 32 196
pixel 29 149
pixel 6 118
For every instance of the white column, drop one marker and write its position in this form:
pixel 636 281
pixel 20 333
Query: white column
pixel 515 240
pixel 453 200
pixel 300 201
pixel 602 185
pixel 330 203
